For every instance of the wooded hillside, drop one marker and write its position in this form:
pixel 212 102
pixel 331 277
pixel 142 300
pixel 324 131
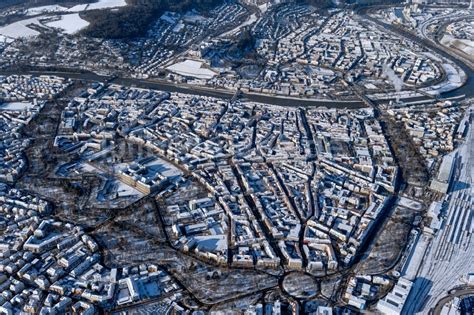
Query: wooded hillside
pixel 134 20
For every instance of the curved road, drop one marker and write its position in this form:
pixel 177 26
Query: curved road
pixel 467 89
pixel 463 56
pixel 446 299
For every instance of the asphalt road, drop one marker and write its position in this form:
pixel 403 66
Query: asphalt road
pixel 467 89
pixel 453 294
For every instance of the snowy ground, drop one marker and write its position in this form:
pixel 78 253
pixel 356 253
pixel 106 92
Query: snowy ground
pixel 107 4
pixel 192 68
pixel 69 23
pixel 123 190
pixel 450 254
pixel 410 204
pixel 455 78
pixel 464 45
pixel 370 86
pixel 15 106
pixel 211 243
pixel 432 56
pixel 263 7
pixel 78 8
pixel 178 27
pixel 86 167
pixel 4 39
pixel 45 9
pixel 20 29
pixel 102 4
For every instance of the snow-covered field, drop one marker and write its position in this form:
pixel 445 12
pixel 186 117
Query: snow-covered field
pixel 192 68
pixel 4 39
pixel 20 29
pixel 168 17
pixel 107 4
pixel 432 56
pixel 102 4
pixel 78 8
pixel 15 106
pixel 464 45
pixel 45 9
pixel 69 23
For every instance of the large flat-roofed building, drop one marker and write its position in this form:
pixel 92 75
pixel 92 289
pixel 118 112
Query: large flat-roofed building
pixel 445 174
pixel 393 303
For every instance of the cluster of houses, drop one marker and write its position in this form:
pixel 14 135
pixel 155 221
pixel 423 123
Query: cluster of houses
pixel 362 289
pixel 308 54
pixel 21 100
pixel 298 188
pixel 434 130
pixel 18 88
pixel 48 266
pixel 174 31
pixel 267 171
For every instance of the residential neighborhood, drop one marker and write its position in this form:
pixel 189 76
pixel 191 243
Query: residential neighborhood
pixel 236 157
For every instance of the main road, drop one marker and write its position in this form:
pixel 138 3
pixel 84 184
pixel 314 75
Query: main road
pixel 192 89
pixel 458 292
